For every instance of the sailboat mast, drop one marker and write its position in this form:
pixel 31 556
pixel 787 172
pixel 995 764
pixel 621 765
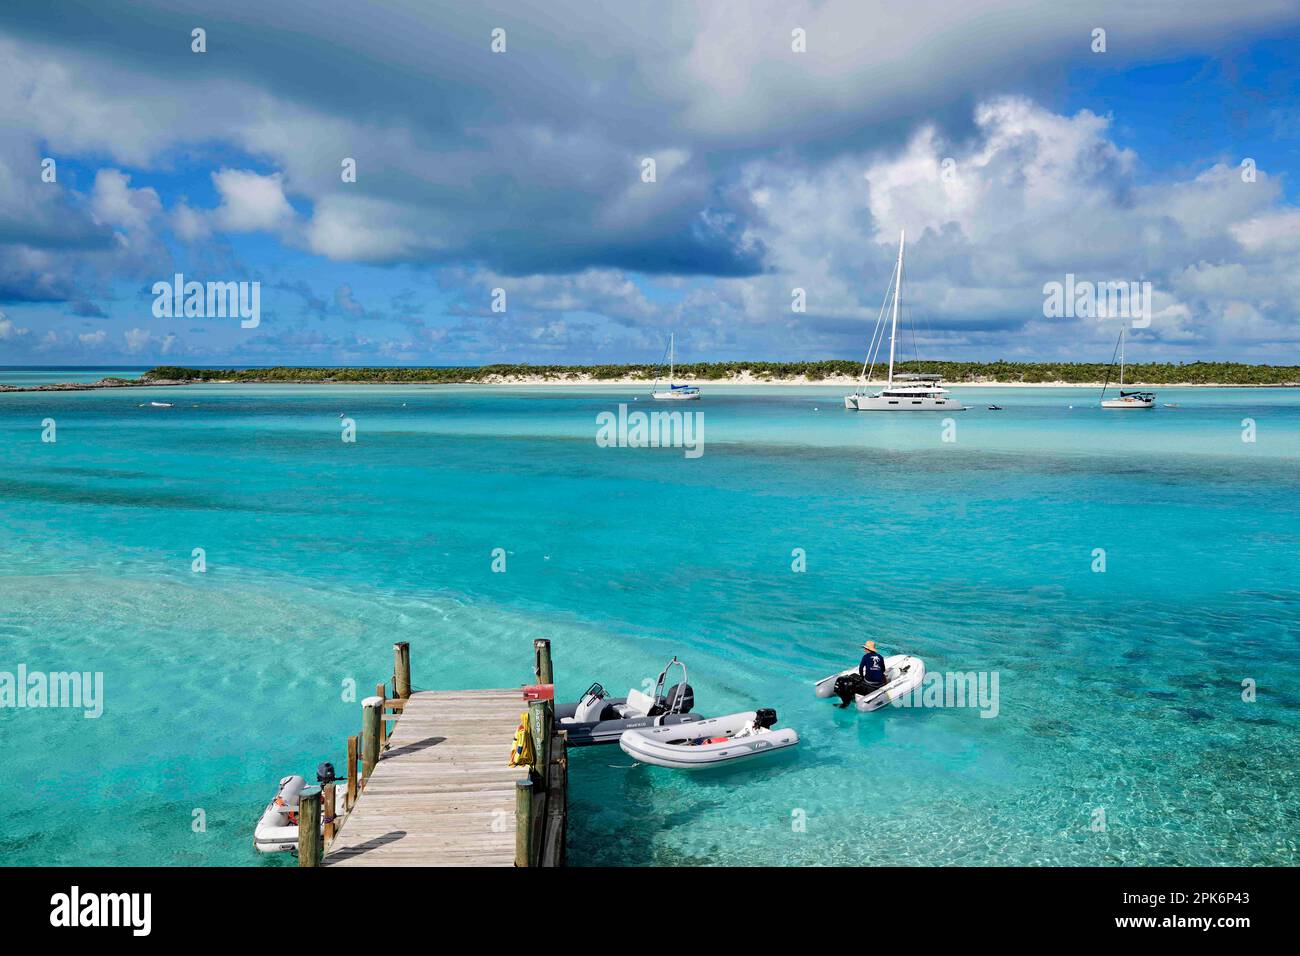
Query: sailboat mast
pixel 1121 357
pixel 672 355
pixel 898 281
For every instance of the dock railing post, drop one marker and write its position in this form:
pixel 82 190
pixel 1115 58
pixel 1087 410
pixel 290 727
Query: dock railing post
pixel 539 720
pixel 523 822
pixel 310 845
pixel 542 657
pixel 381 691
pixel 402 669
pixel 329 810
pixel 350 799
pixel 372 723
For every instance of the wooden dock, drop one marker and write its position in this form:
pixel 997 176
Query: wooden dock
pixel 441 794
pixel 438 790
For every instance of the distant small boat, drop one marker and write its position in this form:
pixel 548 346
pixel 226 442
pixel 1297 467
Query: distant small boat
pixel 995 408
pixel 1171 405
pixel 161 404
pixel 1126 399
pixel 677 393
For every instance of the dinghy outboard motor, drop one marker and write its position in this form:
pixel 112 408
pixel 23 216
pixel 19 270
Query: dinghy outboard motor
pixel 765 717
pixel 325 773
pixel 849 685
pixel 679 699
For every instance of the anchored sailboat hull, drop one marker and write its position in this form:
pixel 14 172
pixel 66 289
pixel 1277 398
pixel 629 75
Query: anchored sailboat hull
pixel 902 393
pixel 674 393
pixel 1126 400
pixel 892 403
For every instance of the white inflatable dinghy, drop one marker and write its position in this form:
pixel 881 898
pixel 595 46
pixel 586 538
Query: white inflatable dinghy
pixel 710 742
pixel 277 830
pixel 903 674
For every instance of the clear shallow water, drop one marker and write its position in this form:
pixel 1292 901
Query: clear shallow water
pixel 1118 690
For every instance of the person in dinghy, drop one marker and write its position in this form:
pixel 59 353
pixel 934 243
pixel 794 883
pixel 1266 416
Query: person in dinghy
pixel 870 676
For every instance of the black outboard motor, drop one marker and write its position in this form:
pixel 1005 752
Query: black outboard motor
pixel 679 699
pixel 325 773
pixel 765 717
pixel 848 685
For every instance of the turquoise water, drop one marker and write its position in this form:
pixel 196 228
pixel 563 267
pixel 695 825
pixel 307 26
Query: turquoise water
pixel 1119 691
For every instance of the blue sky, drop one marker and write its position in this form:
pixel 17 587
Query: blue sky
pixel 522 171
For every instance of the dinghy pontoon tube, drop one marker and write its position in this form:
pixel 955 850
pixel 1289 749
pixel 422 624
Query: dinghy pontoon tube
pixel 277 831
pixel 600 719
pixel 709 743
pixel 903 674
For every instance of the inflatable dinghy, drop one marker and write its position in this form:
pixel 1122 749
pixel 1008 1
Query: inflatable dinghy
pixel 598 718
pixel 709 743
pixel 903 674
pixel 277 830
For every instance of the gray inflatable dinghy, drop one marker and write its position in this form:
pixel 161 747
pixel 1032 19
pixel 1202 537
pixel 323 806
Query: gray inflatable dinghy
pixel 598 718
pixel 710 743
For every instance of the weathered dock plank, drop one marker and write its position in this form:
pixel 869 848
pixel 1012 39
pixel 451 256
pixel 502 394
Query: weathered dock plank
pixel 441 793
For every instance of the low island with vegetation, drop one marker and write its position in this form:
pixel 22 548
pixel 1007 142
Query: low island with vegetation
pixel 829 372
pixel 837 372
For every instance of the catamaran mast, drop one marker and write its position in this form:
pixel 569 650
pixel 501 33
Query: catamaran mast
pixel 672 354
pixel 1121 357
pixel 898 281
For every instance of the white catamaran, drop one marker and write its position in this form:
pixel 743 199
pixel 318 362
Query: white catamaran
pixel 676 393
pixel 1126 399
pixel 915 393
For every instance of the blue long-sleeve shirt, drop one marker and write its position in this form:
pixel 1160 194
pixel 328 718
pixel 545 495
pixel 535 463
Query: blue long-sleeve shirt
pixel 872 667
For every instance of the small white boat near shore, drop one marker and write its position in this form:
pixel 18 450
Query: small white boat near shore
pixel 674 393
pixel 903 674
pixel 709 743
pixel 277 830
pixel 1127 400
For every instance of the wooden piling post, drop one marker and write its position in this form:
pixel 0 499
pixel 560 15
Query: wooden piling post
pixel 350 799
pixel 372 724
pixel 381 691
pixel 523 822
pixel 310 846
pixel 540 720
pixel 402 669
pixel 542 656
pixel 329 810
pixel 540 726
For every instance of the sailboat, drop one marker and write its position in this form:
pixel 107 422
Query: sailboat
pixel 1126 399
pixel 677 393
pixel 914 393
